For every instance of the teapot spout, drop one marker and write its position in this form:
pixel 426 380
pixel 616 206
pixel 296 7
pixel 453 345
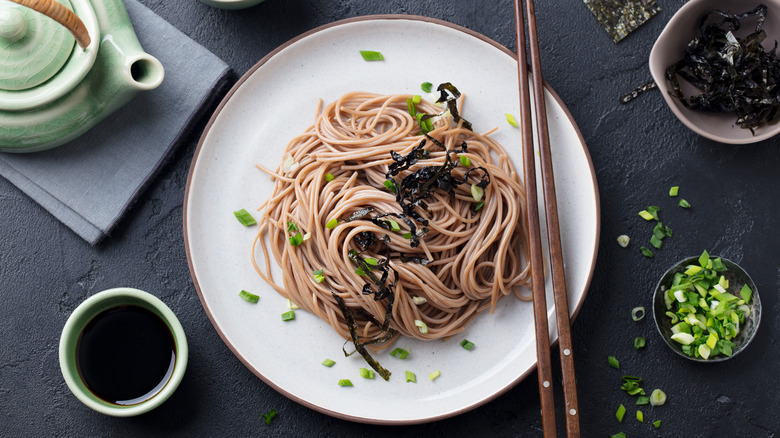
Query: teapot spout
pixel 144 71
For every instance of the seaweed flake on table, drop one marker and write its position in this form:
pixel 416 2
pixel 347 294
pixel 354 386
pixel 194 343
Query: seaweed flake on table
pixel 731 73
pixel 621 17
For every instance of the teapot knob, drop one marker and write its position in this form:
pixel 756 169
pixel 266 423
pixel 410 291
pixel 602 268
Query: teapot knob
pixel 13 26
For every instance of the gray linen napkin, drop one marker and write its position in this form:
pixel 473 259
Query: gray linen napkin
pixel 90 182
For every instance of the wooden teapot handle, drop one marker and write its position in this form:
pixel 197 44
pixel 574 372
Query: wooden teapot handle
pixel 59 13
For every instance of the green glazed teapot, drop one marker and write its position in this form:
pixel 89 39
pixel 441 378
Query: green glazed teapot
pixel 65 66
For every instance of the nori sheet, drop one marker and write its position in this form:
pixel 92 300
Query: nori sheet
pixel 621 17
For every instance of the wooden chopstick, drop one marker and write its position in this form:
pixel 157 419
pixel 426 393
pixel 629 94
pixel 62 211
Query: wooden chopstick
pixel 553 235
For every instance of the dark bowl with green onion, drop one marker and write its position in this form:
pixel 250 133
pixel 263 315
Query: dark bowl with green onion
pixel 706 309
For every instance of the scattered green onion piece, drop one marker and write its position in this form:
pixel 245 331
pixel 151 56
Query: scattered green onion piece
pixel 249 296
pixel 292 227
pixel 426 86
pixel 328 363
pixel 434 375
pixel 389 185
pixel 399 353
pixel 620 413
pixel 419 300
pixel 464 161
pixel 411 107
pixel 468 345
pixel 345 382
pixel 640 416
pixel 332 224
pixel 639 342
pixel 269 416
pixel 645 215
pixel 653 211
pixel 511 120
pixel 407 235
pixel 318 275
pixel 613 362
pixel 746 293
pixel 393 224
pixel 371 55
pixel 477 192
pixel 684 204
pixel 623 240
pixel 366 373
pixel 479 205
pixel 361 272
pixel 291 305
pixel 421 326
pixel 411 377
pixel 244 217
pixel 296 240
pixel 638 313
pixel 657 424
pixel 673 191
pixel 646 252
pixel 657 397
pixel 329 177
pixel 643 400
pixel 618 435
pixel 656 242
pixel 288 316
pixel 307 236
pixel 371 261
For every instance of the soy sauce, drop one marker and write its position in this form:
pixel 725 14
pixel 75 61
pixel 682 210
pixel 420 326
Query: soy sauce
pixel 126 355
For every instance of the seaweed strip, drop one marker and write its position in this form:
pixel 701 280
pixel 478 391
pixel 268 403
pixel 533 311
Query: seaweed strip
pixel 449 94
pixel 621 17
pixel 633 94
pixel 359 346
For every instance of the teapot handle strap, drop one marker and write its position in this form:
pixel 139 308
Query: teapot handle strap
pixel 59 13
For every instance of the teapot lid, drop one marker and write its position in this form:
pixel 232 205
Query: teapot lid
pixel 40 60
pixel 33 47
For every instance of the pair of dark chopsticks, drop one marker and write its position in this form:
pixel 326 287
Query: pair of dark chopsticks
pixel 553 235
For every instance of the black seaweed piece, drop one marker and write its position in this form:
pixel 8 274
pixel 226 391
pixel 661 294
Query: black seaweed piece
pixel 636 92
pixel 365 239
pixel 621 17
pixel 360 346
pixel 449 94
pixel 359 214
pixel 731 74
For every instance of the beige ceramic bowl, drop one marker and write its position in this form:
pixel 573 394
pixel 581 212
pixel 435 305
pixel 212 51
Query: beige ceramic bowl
pixel 669 48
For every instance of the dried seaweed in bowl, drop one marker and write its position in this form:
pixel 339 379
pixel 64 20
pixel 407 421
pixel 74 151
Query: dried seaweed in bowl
pixel 621 17
pixel 731 73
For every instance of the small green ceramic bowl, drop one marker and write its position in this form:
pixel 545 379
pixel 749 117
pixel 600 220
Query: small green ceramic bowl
pixel 79 319
pixel 736 277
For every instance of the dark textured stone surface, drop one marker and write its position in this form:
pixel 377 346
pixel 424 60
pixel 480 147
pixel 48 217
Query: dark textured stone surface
pixel 638 151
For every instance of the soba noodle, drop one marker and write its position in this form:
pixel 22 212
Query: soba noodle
pixel 475 257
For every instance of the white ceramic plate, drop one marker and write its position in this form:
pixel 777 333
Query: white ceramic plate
pixel 276 100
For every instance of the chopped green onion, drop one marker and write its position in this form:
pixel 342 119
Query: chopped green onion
pixel 292 227
pixel 411 107
pixel 345 382
pixel 479 205
pixel 399 353
pixel 618 435
pixel 393 224
pixel 657 424
pixel 434 375
pixel 640 416
pixel 329 177
pixel 673 191
pixel 389 185
pixel 623 240
pixel 416 98
pixel 639 342
pixel 332 224
pixel 371 55
pixel 653 211
pixel 620 413
pixel 643 400
pixel 296 240
pixel 468 345
pixel 426 86
pixel 288 316
pixel 684 204
pixel 366 373
pixel 328 363
pixel 411 377
pixel 511 120
pixel 477 192
pixel 646 252
pixel 371 261
pixel 269 416
pixel 646 215
pixel 746 293
pixel 464 161
pixel 407 235
pixel 656 242
pixel 419 300
pixel 657 397
pixel 361 272
pixel 638 313
pixel 421 326
pixel 291 305
pixel 319 275
pixel 249 296
pixel 613 362
pixel 244 217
